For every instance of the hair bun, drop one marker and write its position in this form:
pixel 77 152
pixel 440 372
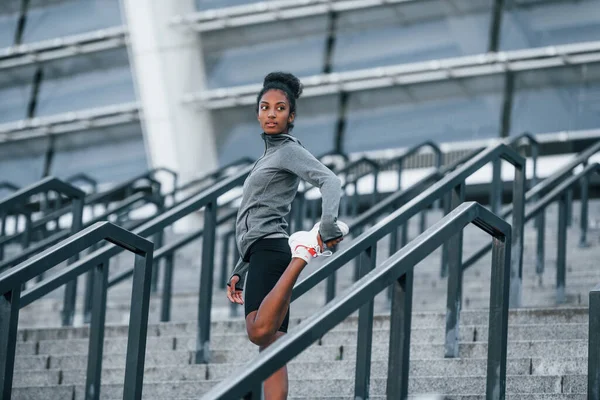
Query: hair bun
pixel 286 79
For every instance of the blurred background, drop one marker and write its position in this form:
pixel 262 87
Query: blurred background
pixel 112 88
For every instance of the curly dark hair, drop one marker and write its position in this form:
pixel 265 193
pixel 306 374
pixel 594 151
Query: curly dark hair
pixel 288 84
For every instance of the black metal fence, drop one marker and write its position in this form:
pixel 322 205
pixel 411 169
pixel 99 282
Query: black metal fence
pixel 594 345
pixel 398 271
pixel 11 282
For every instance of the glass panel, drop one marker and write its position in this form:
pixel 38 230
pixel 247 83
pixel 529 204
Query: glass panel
pixel 246 55
pixel 419 31
pixel 10 6
pixel 22 162
pixel 238 131
pixel 550 23
pixel 86 90
pixel 442 111
pixel 13 102
pixel 8 27
pixel 557 100
pixel 109 154
pixel 83 16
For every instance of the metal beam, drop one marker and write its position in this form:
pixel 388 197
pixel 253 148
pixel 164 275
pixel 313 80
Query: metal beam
pixel 90 42
pixel 277 10
pixel 413 73
pixel 69 122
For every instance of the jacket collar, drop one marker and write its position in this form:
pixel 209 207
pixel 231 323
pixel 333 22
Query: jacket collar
pixel 277 139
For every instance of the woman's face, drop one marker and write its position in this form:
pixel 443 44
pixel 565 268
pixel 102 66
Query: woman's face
pixel 274 112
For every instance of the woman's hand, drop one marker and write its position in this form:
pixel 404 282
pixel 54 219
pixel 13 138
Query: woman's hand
pixel 235 296
pixel 331 243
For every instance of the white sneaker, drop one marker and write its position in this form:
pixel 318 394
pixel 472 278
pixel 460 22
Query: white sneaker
pixel 304 244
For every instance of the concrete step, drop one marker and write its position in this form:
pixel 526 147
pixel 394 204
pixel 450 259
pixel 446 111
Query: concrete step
pixel 426 319
pixel 242 353
pixel 477 333
pixel 309 370
pixel 340 387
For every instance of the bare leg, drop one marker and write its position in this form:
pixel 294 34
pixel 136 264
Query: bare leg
pixel 263 323
pixel 276 386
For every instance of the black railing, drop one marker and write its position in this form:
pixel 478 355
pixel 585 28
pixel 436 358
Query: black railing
pixel 218 173
pixel 496 187
pixel 541 189
pixel 16 204
pixel 392 203
pixel 11 301
pixel 594 345
pixel 398 270
pixel 454 182
pixel 561 193
pixel 207 199
pixel 85 178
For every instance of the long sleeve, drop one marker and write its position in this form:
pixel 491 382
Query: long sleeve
pixel 240 270
pixel 302 163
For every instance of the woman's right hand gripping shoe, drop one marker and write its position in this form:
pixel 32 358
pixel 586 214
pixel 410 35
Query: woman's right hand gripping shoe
pixel 308 244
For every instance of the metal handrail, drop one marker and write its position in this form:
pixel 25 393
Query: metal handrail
pixel 61 235
pixel 45 185
pixel 9 186
pixel 496 186
pixel 207 199
pixel 594 344
pixel 10 293
pixel 541 189
pixel 560 194
pixel 217 173
pixel 454 183
pixel 398 270
pixel 390 204
pixel 83 177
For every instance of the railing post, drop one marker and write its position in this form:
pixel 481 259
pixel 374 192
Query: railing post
pixel 594 345
pixel 9 319
pixel 518 224
pixel 498 318
pixel 496 187
pixel 70 295
pixel 202 354
pixel 159 238
pixel 583 220
pixel 446 209
pixel 569 207
pixel 540 252
pixel 423 221
pixel 561 248
pixel 96 343
pixel 3 216
pixel 225 260
pixel 357 260
pixel 330 288
pixel 454 295
pixel 89 288
pixel 400 325
pixel 392 249
pixel 375 195
pixel 165 306
pixel 365 332
pixel 138 327
pixel 300 213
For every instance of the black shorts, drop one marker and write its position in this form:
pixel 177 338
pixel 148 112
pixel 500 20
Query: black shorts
pixel 268 260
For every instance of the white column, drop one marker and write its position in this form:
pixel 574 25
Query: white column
pixel 167 63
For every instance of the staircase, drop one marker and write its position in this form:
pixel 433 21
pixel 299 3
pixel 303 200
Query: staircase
pixel 547 350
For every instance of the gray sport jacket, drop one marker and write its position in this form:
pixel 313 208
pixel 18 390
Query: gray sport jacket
pixel 270 188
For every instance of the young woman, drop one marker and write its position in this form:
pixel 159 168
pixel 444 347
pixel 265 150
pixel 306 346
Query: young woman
pixel 273 261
